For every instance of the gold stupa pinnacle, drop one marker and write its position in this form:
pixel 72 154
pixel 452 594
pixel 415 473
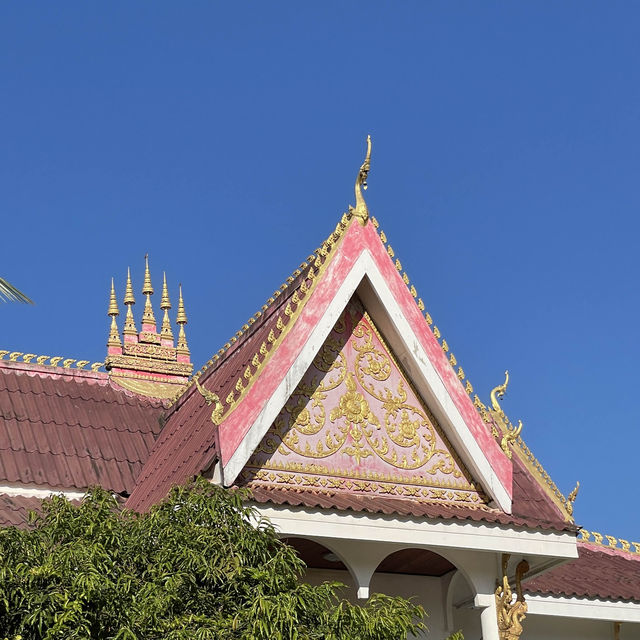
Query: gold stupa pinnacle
pixel 361 211
pixel 129 301
pixel 181 319
pixel 147 290
pixel 114 334
pixel 165 304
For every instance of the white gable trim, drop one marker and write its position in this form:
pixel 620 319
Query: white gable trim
pixel 397 329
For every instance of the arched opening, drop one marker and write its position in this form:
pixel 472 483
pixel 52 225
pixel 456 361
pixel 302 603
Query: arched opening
pixel 323 565
pixel 433 581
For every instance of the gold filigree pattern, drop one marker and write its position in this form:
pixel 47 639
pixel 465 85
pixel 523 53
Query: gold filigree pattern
pixel 356 415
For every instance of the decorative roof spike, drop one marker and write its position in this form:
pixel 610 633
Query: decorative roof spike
pixel 129 301
pixel 128 294
pixel 147 290
pixel 165 304
pixel 181 319
pixel 113 303
pixel 114 334
pixel 361 211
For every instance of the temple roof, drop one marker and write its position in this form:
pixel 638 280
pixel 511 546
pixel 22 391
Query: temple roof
pixel 190 442
pixel 69 429
pixel 598 572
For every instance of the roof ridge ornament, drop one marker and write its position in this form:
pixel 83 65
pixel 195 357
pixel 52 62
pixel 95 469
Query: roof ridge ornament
pixel 510 432
pixel 361 211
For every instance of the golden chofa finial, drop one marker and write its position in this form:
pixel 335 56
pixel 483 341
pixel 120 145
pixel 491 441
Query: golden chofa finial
pixel 114 335
pixel 147 290
pixel 498 392
pixel 165 305
pixel 571 498
pixel 129 301
pixel 361 211
pixel 510 432
pixel 181 319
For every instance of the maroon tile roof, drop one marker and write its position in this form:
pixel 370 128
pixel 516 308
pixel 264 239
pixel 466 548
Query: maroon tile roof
pixel 71 429
pixel 393 506
pixel 14 510
pixel 531 503
pixel 188 443
pixel 598 572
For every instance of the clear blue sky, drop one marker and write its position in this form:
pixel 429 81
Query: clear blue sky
pixel 224 139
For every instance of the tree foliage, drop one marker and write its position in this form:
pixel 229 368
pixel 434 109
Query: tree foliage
pixel 201 565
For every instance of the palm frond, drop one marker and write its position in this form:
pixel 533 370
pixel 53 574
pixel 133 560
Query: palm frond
pixel 8 293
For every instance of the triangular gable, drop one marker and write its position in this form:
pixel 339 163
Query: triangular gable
pixel 256 372
pixel 355 424
pixel 360 263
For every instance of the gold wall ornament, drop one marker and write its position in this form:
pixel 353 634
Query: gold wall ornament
pixel 571 498
pixel 361 211
pixel 212 398
pixel 511 613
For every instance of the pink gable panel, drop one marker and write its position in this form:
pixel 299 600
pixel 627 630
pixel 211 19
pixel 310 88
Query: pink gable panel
pixel 355 424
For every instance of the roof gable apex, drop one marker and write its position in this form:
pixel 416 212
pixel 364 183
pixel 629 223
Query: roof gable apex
pixel 360 263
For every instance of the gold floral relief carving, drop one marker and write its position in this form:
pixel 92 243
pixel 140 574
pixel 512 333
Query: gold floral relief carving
pixel 355 403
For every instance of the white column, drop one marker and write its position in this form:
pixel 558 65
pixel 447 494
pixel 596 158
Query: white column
pixel 488 616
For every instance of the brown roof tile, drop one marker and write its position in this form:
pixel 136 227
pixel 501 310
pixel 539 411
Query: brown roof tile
pixel 72 429
pixel 396 506
pixel 598 572
pixel 14 510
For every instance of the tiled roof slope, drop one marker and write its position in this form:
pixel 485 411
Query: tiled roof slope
pixel 70 429
pixel 529 508
pixel 14 510
pixel 598 572
pixel 188 444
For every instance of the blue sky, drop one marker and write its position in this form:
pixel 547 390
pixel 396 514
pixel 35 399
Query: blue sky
pixel 224 139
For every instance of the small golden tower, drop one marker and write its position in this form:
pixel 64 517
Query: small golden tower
pixel 129 323
pixel 182 348
pixel 114 335
pixel 166 334
pixel 147 363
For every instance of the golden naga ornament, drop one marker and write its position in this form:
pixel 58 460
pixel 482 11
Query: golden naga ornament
pixel 510 613
pixel 361 211
pixel 510 432
pixel 212 398
pixel 571 498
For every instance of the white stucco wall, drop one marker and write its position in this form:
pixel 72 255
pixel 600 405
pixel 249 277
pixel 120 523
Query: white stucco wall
pixel 557 628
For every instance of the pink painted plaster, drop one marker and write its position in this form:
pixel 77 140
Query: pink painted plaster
pixel 356 240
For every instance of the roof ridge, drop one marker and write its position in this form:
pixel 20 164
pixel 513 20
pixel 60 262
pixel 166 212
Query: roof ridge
pixel 612 542
pixel 316 262
pixel 53 361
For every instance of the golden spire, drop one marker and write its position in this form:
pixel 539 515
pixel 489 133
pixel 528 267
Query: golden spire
pixel 361 211
pixel 181 319
pixel 129 301
pixel 165 304
pixel 147 290
pixel 128 294
pixel 114 334
pixel 113 303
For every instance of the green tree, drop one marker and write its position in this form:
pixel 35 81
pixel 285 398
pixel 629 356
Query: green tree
pixel 201 565
pixel 8 293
